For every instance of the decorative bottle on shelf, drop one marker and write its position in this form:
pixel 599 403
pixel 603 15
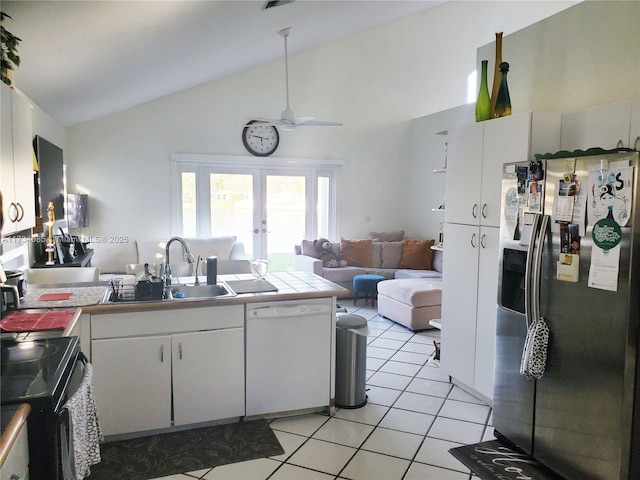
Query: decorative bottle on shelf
pixel 503 101
pixel 496 72
pixel 483 104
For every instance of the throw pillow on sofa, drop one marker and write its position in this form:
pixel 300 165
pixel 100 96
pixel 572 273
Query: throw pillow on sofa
pixel 416 254
pixel 396 236
pixel 391 254
pixel 357 253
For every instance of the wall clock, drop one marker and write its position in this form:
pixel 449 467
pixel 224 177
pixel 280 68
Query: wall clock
pixel 260 139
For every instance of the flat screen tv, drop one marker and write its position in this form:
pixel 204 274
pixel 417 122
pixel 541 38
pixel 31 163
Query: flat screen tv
pixel 51 182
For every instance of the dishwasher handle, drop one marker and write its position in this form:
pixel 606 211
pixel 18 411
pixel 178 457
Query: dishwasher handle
pixel 289 310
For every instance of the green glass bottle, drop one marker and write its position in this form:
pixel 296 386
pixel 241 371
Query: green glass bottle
pixel 483 104
pixel 503 102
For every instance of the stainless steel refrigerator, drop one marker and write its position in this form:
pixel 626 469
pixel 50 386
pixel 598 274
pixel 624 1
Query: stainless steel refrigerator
pixel 563 259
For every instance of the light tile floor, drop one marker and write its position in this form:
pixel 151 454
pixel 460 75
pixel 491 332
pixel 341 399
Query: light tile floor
pixel 412 418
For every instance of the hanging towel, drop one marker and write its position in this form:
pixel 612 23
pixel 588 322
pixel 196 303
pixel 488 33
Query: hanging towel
pixel 81 441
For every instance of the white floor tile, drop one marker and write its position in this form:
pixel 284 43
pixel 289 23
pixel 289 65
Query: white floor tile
pixel 416 347
pixel 392 442
pixel 251 470
pixel 374 363
pixel 373 466
pixel 406 421
pixel 322 456
pixel 290 443
pixel 388 380
pixel 470 412
pixel 417 358
pixel 382 342
pixel 433 373
pixel 302 424
pixel 456 430
pixel 370 414
pixel 395 335
pixel 436 452
pixel 418 402
pixel 419 471
pixel 344 432
pixel 429 387
pixel 400 368
pixel 381 395
pixel 426 337
pixel 376 352
pixel 293 472
pixel 459 394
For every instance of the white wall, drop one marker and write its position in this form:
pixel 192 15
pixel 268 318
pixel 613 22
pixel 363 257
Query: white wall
pixel 374 81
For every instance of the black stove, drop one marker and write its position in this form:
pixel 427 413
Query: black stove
pixel 43 373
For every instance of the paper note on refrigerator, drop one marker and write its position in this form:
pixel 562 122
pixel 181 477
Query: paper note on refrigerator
pixel 603 272
pixel 610 187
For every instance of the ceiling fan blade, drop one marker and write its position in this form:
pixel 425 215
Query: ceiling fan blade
pixel 312 122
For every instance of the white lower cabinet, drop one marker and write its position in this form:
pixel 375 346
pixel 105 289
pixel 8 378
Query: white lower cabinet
pixel 145 362
pixel 16 464
pixel 469 305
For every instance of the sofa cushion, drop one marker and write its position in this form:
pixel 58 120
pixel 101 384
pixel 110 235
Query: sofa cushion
pixel 416 254
pixel 309 249
pixel 417 274
pixel 391 254
pixel 376 255
pixel 345 274
pixel 396 236
pixel 417 292
pixel 357 253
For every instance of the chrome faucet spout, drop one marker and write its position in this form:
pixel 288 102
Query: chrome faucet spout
pixel 167 263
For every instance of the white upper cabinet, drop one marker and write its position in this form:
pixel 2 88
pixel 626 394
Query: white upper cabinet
pixel 16 162
pixel 605 126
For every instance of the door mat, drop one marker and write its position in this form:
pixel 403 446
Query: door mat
pixel 251 286
pixel 493 460
pixel 185 451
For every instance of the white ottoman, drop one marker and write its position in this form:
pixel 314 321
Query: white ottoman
pixel 410 302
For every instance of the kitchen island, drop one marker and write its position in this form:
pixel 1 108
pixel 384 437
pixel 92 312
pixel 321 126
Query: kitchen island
pixel 167 364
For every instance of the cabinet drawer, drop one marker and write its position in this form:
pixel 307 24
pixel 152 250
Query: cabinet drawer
pixel 156 322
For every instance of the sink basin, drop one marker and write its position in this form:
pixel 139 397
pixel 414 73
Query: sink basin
pixel 180 292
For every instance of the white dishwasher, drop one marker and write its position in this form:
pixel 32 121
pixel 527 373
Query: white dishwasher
pixel 288 352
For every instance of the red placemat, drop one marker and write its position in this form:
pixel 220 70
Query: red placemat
pixel 28 322
pixel 52 297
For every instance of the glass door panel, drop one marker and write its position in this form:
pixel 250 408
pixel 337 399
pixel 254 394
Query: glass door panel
pixel 285 221
pixel 231 197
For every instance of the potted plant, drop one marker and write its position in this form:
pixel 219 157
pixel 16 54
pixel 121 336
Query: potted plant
pixel 10 58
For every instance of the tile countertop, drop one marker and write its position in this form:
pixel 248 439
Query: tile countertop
pixel 290 285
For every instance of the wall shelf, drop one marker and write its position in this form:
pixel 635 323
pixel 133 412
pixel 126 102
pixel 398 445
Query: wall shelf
pixel 439 170
pixel 437 209
pixel 439 247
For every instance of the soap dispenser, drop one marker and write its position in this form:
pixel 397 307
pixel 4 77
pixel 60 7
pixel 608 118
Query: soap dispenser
pixel 212 270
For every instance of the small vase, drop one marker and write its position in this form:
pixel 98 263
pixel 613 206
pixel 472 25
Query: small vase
pixel 503 101
pixel 483 104
pixel 496 72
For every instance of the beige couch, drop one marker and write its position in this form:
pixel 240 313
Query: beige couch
pixel 386 260
pixel 130 257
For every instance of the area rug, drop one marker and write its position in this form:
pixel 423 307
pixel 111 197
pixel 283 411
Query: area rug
pixel 493 460
pixel 185 451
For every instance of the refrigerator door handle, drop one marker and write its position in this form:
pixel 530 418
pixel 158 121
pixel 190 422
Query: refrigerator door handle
pixel 537 273
pixel 529 270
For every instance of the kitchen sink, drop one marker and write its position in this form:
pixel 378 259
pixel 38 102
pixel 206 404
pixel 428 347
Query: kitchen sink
pixel 179 292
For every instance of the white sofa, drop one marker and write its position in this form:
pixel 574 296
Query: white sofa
pixel 130 257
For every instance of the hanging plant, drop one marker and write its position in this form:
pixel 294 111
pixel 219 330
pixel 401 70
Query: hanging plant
pixel 10 58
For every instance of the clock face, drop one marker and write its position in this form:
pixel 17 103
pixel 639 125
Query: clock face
pixel 260 139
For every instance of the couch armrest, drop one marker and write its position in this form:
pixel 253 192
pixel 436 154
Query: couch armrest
pixel 237 252
pixel 305 263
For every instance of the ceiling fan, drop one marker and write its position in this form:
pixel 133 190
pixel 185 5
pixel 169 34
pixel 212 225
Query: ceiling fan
pixel 288 120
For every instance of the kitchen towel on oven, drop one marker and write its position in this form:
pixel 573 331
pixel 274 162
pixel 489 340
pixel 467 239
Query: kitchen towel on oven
pixel 81 441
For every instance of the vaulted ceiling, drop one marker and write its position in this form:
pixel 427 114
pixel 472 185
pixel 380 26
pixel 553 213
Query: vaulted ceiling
pixel 81 60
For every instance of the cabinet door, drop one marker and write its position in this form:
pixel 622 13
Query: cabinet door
pixel 132 378
pixel 486 312
pixel 208 375
pixel 288 363
pixel 459 299
pixel 23 162
pixel 603 126
pixel 6 161
pixel 464 175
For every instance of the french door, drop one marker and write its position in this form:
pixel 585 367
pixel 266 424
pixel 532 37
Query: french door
pixel 268 209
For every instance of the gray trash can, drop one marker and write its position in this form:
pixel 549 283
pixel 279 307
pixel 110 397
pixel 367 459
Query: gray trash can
pixel 351 361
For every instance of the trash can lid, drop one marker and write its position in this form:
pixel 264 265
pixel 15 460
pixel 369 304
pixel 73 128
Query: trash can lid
pixel 351 321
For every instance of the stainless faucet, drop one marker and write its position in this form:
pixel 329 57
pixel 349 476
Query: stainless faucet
pixel 167 263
